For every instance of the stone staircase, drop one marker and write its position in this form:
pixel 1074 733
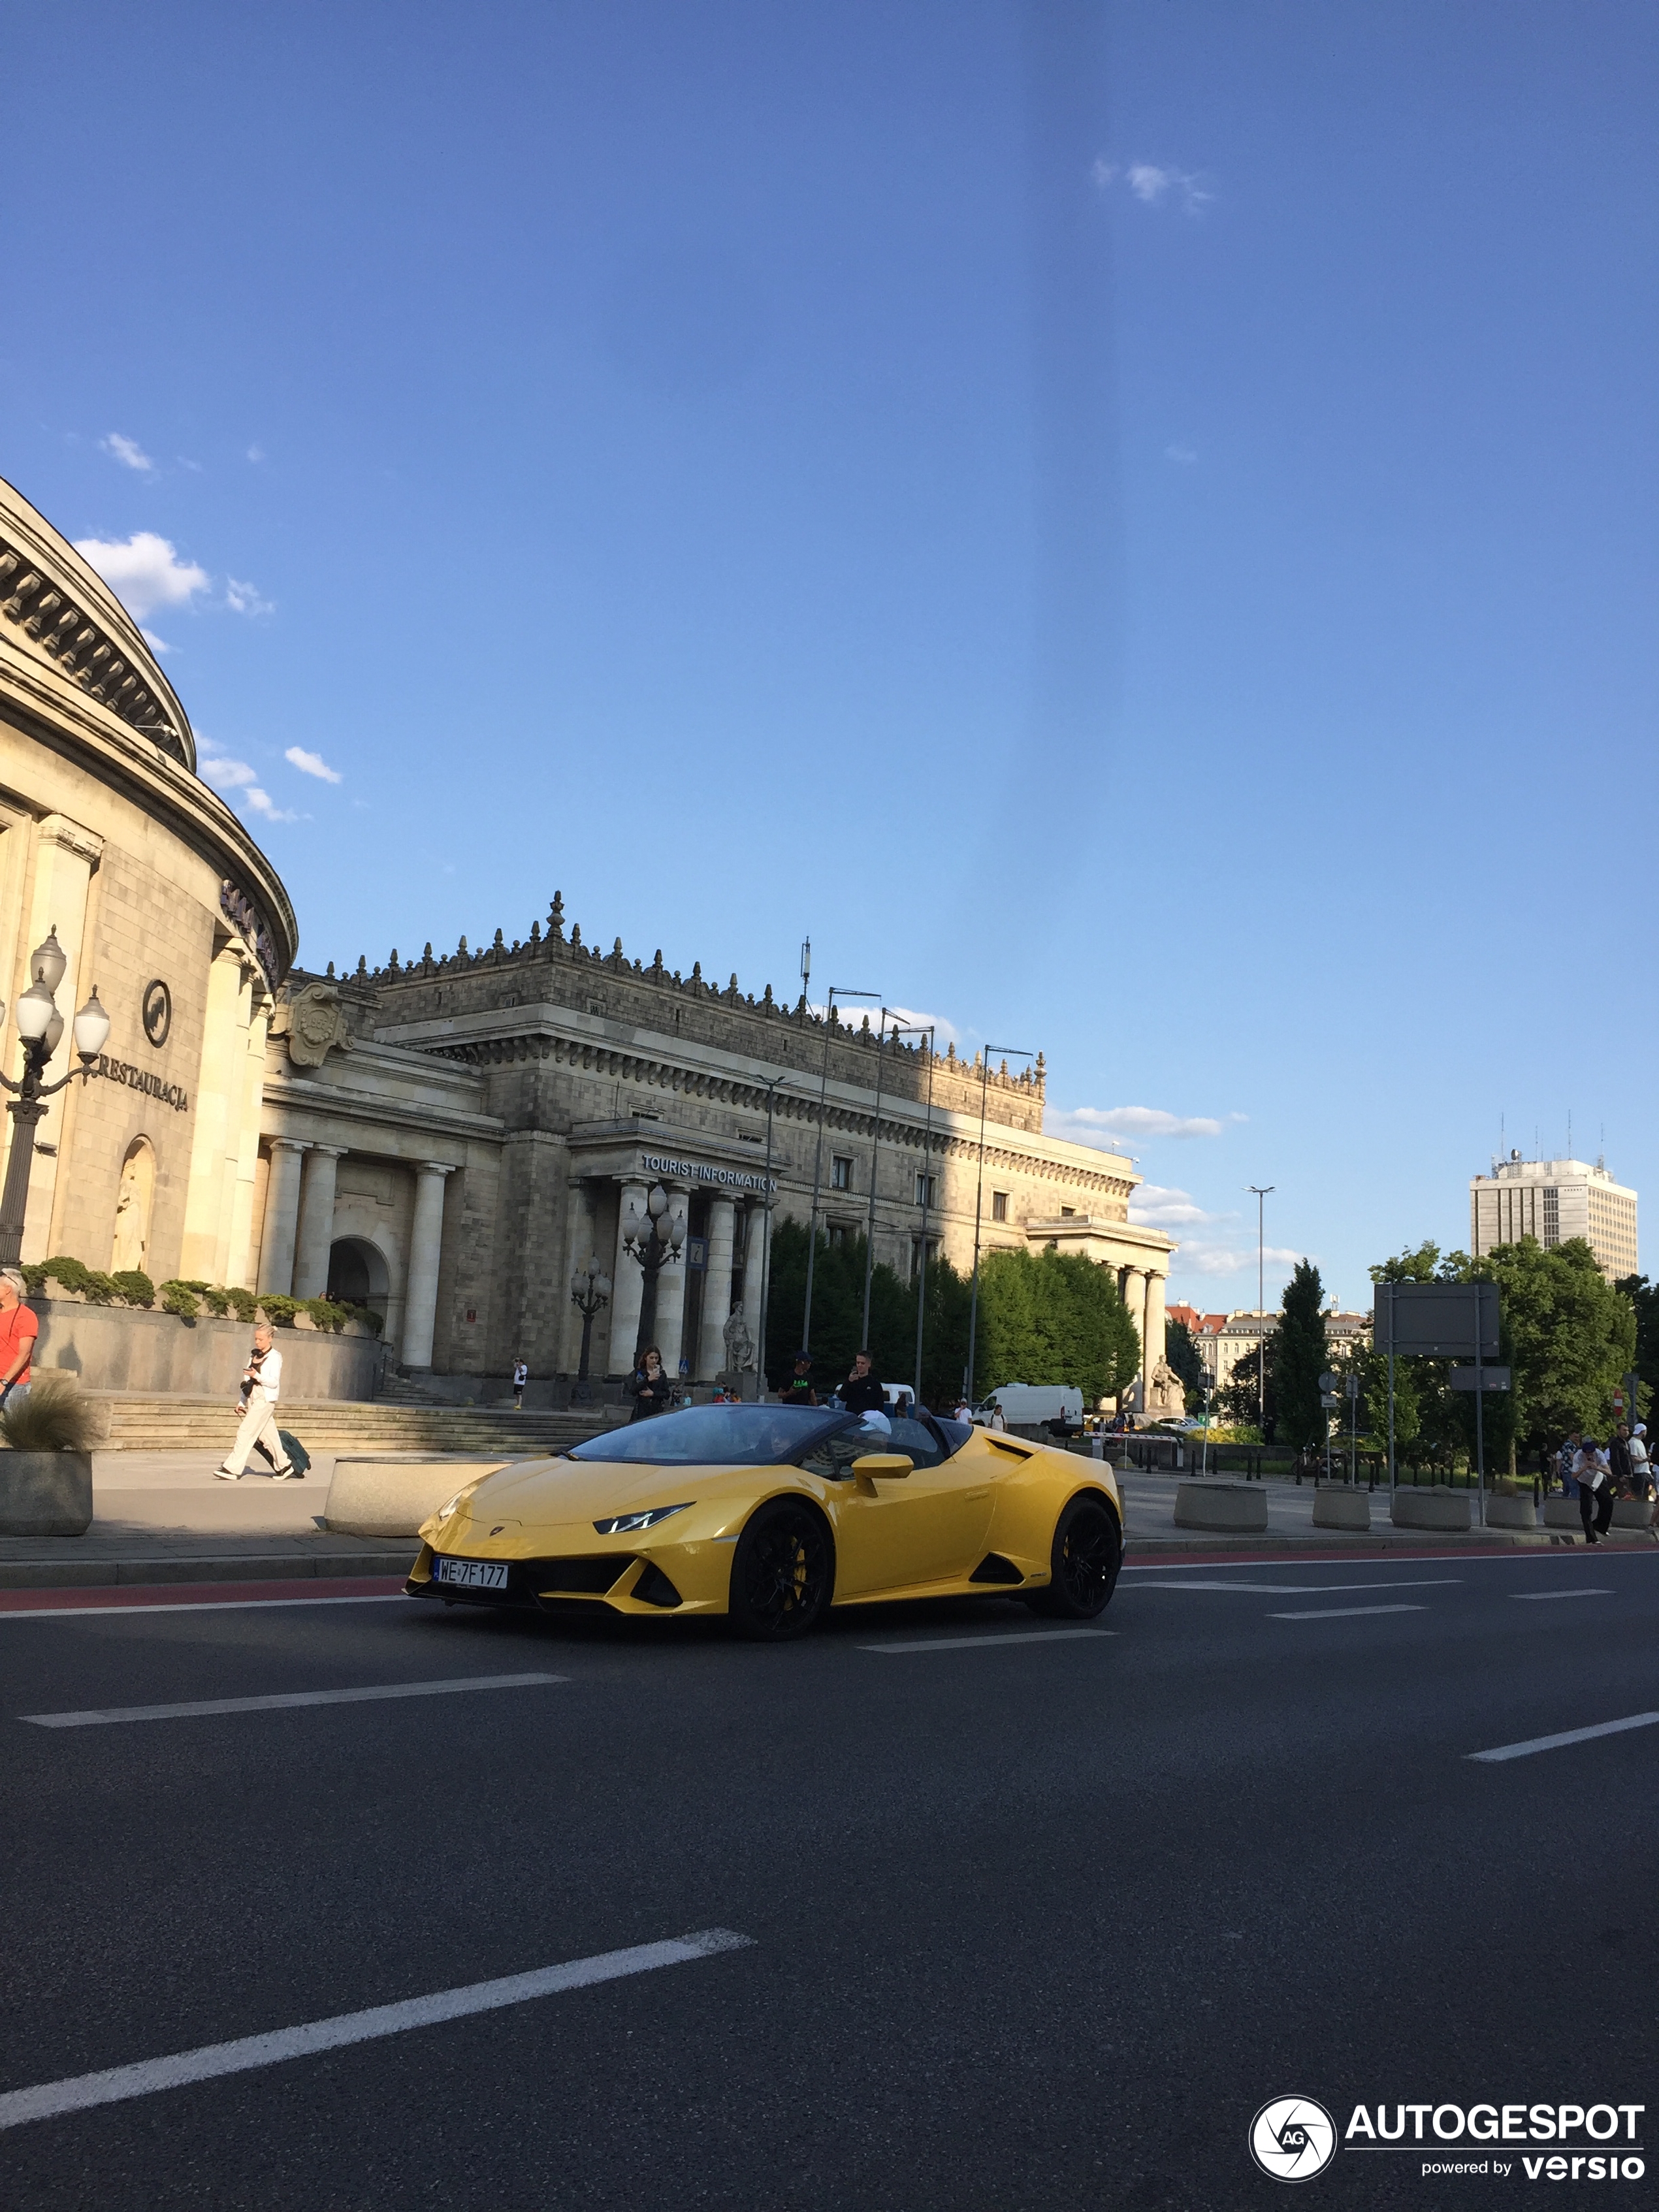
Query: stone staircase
pixel 155 1423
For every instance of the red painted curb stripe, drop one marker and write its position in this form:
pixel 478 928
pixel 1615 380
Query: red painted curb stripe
pixel 1163 1560
pixel 136 1596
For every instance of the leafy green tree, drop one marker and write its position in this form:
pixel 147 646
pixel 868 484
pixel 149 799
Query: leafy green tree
pixel 1182 1353
pixel 1567 1335
pixel 1645 1300
pixel 1238 1400
pixel 1301 1357
pixel 1053 1317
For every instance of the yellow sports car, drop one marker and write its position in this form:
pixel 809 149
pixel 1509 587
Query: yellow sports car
pixel 772 1514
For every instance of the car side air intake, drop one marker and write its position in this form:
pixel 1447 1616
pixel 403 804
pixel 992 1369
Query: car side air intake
pixel 993 1568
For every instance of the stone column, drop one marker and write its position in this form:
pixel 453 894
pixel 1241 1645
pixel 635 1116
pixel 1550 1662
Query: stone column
pixel 425 1250
pixel 1152 1342
pixel 628 1281
pixel 219 1089
pixel 670 1303
pixel 238 1257
pixel 710 1355
pixel 579 1249
pixel 316 1231
pixel 756 1222
pixel 281 1217
pixel 65 856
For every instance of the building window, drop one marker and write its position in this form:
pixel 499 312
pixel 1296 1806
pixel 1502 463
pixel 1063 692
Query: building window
pixel 841 1174
pixel 1068 1214
pixel 926 1190
pixel 999 1205
pixel 838 1235
pixel 916 1244
pixel 1552 1215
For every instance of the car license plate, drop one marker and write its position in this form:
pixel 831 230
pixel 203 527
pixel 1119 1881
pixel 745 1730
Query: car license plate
pixel 471 1574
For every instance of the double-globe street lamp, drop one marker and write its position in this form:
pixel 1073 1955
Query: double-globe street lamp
pixel 654 1238
pixel 40 1026
pixel 590 1291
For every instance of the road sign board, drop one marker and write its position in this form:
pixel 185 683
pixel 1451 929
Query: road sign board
pixel 1327 1381
pixel 1492 1378
pixel 1437 1321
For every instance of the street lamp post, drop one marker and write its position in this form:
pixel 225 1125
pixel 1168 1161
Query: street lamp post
pixel 590 1292
pixel 875 1163
pixel 40 1026
pixel 1262 1192
pixel 978 1198
pixel 655 1238
pixel 836 992
pixel 766 1212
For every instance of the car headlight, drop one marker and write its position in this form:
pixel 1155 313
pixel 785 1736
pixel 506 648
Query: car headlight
pixel 456 1501
pixel 629 1524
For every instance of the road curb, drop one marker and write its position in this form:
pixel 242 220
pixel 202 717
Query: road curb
pixel 233 1567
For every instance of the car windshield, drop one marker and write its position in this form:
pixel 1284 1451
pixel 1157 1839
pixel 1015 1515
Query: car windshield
pixel 715 1435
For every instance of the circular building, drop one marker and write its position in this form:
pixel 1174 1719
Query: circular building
pixel 160 901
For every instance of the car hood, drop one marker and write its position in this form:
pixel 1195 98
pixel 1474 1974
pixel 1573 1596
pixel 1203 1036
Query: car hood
pixel 553 1493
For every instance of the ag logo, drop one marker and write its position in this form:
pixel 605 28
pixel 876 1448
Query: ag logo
pixel 158 1011
pixel 1292 2139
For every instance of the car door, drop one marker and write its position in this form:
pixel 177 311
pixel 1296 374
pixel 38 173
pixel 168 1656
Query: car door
pixel 929 1527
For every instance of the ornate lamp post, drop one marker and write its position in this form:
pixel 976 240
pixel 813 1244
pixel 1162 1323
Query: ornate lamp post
pixel 590 1291
pixel 40 1026
pixel 655 1238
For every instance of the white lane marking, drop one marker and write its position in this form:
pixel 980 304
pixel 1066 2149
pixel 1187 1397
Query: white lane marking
pixel 1346 1612
pixel 1311 1589
pixel 1534 1597
pixel 211 1605
pixel 961 1643
pixel 110 1715
pixel 80 2091
pixel 1568 1736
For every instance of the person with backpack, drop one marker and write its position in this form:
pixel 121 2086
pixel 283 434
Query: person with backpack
pixel 261 1383
pixel 520 1376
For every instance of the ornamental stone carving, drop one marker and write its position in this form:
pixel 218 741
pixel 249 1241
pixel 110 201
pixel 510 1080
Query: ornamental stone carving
pixel 739 1344
pixel 313 1023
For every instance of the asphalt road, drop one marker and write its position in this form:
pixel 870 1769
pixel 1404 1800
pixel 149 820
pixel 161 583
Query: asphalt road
pixel 1032 1921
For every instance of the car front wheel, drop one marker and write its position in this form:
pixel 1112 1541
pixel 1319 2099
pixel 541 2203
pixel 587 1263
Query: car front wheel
pixel 1087 1553
pixel 781 1574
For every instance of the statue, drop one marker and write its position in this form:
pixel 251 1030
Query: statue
pixel 739 1344
pixel 314 1022
pixel 1167 1393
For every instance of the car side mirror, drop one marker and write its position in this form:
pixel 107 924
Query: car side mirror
pixel 883 1467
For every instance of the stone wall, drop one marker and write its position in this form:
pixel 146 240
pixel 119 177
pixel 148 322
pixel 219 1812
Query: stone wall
pixel 123 1348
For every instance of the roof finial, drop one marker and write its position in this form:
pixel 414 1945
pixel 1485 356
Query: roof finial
pixel 556 917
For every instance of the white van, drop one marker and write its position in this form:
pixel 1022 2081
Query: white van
pixel 1029 1405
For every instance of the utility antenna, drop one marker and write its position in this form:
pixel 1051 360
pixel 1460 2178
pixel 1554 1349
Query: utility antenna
pixel 806 970
pixel 1568 1133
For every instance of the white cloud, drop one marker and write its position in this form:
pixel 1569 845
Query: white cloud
pixel 129 453
pixel 256 453
pixel 1161 1205
pixel 1201 1259
pixel 313 764
pixel 143 571
pixel 1148 183
pixel 1103 1125
pixel 1184 455
pixel 224 774
pixel 261 802
pixel 1103 172
pixel 245 599
pixel 155 644
pixel 945 1032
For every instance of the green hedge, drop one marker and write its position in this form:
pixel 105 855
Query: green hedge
pixel 186 1297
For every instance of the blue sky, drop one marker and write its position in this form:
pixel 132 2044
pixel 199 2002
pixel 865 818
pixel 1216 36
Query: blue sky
pixel 1134 525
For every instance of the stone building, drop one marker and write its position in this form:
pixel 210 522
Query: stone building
pixel 1553 1201
pixel 161 900
pixel 450 1137
pixel 445 1139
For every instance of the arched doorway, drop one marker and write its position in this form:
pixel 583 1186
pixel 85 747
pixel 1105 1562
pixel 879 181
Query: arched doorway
pixel 130 1246
pixel 358 1274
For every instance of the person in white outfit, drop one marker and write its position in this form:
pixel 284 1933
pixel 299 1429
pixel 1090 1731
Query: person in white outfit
pixel 261 1382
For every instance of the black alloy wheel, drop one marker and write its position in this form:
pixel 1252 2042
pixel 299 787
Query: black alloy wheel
pixel 1087 1553
pixel 781 1574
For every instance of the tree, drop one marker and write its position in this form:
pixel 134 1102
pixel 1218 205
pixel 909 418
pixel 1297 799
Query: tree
pixel 1238 1396
pixel 1644 1299
pixel 1301 1357
pixel 1053 1317
pixel 1182 1353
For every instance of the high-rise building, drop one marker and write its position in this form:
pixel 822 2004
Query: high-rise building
pixel 1553 1201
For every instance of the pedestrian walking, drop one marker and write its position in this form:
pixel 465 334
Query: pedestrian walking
pixel 652 1389
pixel 520 1376
pixel 1595 1480
pixel 261 1384
pixel 18 1330
pixel 1621 1463
pixel 1641 1464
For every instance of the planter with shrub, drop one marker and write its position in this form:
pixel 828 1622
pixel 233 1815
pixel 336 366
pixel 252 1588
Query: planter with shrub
pixel 46 1465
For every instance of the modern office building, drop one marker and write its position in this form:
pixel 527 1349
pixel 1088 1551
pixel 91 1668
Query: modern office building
pixel 1553 1201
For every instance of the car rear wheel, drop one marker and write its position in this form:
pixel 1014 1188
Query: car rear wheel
pixel 781 1574
pixel 1087 1553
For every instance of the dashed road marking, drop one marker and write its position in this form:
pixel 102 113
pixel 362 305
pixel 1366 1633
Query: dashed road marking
pixel 200 1708
pixel 1567 1735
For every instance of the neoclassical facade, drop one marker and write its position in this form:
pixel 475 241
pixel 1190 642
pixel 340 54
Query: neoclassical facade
pixel 446 1139
pixel 452 1137
pixel 161 900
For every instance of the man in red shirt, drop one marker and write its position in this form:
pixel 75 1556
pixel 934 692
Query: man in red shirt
pixel 18 1330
